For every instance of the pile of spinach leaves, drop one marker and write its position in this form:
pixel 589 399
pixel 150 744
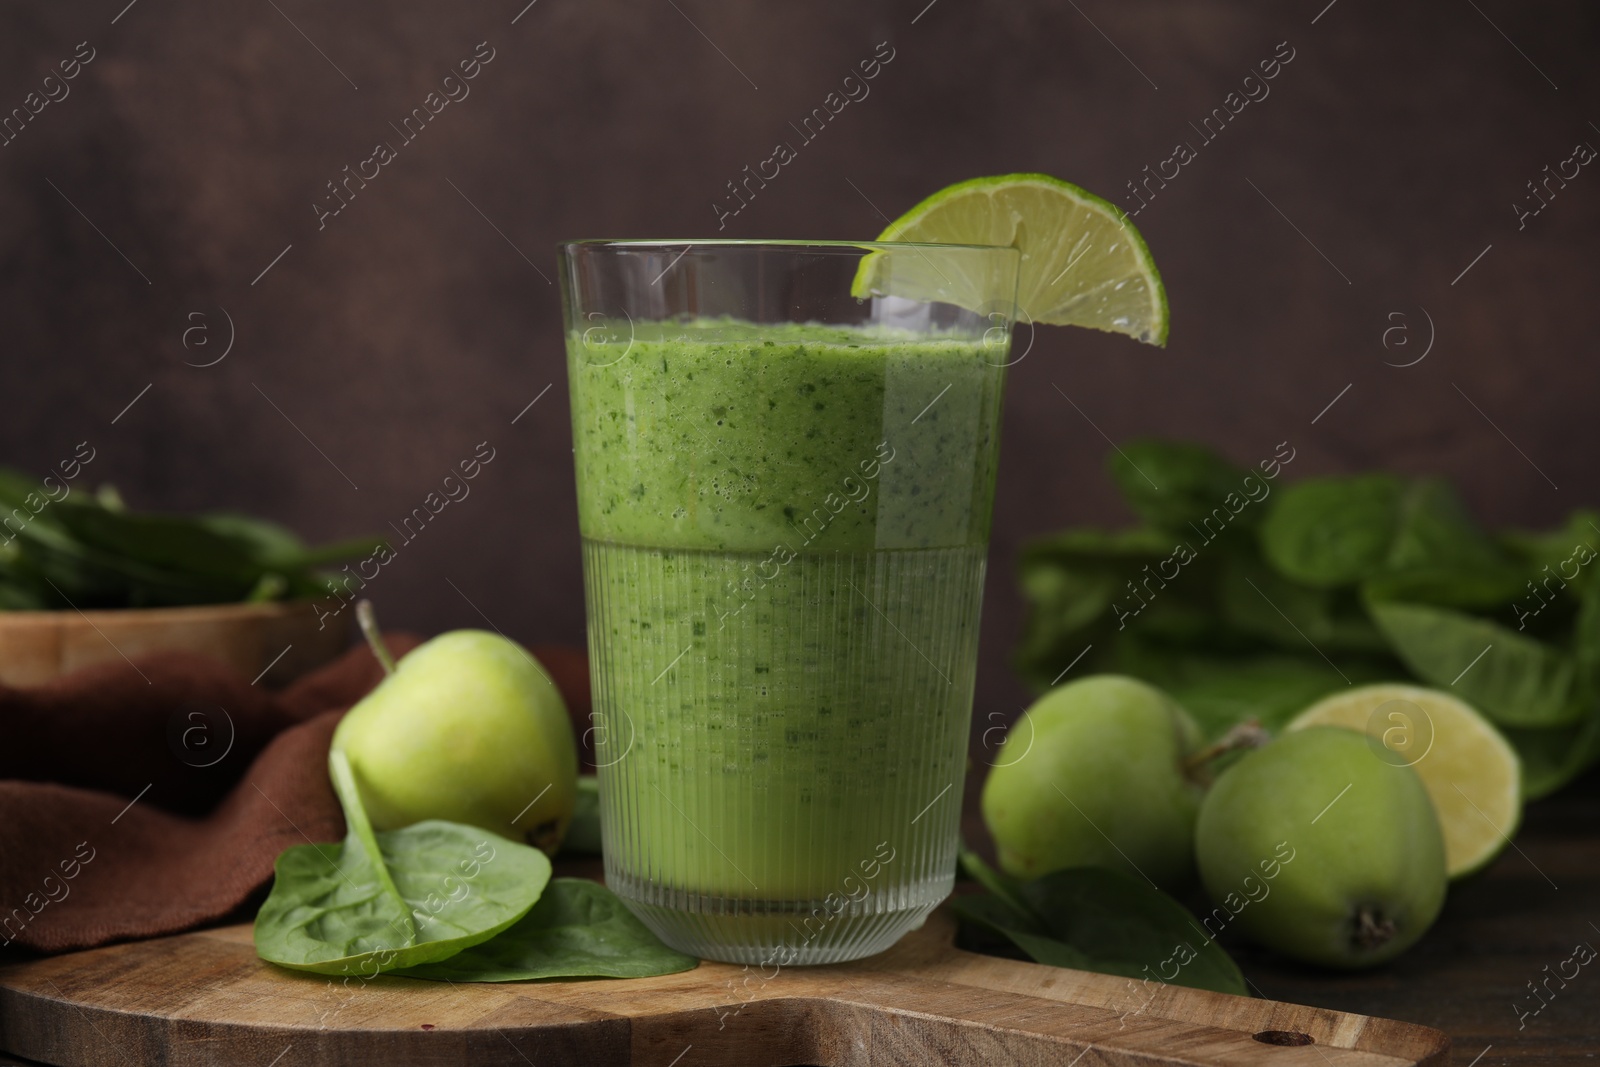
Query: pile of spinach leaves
pixel 445 901
pixel 67 548
pixel 1244 596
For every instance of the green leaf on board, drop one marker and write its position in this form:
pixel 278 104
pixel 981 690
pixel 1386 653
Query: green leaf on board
pixel 1004 887
pixel 382 901
pixel 993 915
pixel 1094 919
pixel 578 929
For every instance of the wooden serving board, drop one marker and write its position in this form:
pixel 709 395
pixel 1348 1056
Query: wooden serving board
pixel 204 998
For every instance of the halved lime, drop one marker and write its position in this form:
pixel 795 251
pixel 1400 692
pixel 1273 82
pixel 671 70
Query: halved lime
pixel 1083 262
pixel 1472 773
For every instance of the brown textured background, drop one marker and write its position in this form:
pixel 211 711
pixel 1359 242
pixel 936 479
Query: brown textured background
pixel 408 330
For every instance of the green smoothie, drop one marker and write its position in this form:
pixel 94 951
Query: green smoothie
pixel 784 534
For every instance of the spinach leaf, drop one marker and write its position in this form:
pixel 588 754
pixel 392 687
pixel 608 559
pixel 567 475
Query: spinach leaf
pixel 160 542
pixel 1299 618
pixel 1066 596
pixel 579 929
pixel 1070 583
pixel 1552 758
pixel 1434 530
pixel 1513 679
pixel 266 543
pixel 45 558
pixel 990 913
pixel 1171 484
pixel 1100 589
pixel 1004 887
pixel 1271 687
pixel 1336 531
pixel 276 547
pixel 1094 919
pixel 333 552
pixel 1567 550
pixel 19 590
pixel 1077 574
pixel 381 901
pixel 1481 588
pixel 85 549
pixel 1388 578
pixel 1333 531
pixel 1114 916
pixel 1586 643
pixel 434 889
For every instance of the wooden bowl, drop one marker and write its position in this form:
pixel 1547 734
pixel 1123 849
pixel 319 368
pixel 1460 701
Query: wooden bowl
pixel 274 643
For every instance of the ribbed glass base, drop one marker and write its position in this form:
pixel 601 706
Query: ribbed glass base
pixel 781 744
pixel 779 933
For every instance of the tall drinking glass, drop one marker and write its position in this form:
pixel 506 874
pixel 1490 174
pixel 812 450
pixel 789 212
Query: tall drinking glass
pixel 785 472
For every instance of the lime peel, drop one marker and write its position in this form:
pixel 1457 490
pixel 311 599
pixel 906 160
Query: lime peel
pixel 1084 263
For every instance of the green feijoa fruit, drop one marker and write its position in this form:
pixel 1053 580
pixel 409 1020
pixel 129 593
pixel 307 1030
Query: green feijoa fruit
pixel 1092 775
pixel 1316 847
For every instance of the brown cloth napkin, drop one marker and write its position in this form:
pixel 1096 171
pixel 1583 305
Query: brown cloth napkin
pixel 135 803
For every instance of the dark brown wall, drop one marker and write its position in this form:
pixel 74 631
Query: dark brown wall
pixel 408 329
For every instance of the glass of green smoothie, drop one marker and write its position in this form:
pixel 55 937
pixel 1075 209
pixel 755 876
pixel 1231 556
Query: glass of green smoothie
pixel 785 477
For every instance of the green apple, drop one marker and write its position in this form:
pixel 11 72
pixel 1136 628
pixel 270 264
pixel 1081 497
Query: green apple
pixel 1093 775
pixel 470 729
pixel 1318 848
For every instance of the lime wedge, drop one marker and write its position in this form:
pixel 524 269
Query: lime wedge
pixel 1083 262
pixel 1472 774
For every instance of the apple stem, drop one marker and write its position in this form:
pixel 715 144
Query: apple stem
pixel 1247 734
pixel 369 629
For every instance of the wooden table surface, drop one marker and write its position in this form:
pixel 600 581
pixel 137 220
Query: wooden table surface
pixel 1470 976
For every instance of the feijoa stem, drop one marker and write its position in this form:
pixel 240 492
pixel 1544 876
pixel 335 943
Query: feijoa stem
pixel 369 629
pixel 1247 734
pixel 1372 929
